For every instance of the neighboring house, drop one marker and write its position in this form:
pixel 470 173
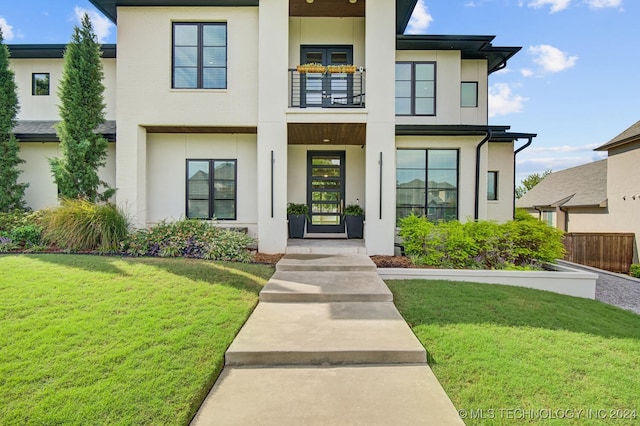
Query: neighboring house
pixel 214 118
pixel 599 197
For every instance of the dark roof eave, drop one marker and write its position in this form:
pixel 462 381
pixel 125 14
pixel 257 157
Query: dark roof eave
pixel 446 130
pixel 470 47
pixel 50 51
pixel 404 10
pixel 52 137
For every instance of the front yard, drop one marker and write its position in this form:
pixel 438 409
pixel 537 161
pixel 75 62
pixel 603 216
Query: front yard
pixel 107 340
pixel 497 349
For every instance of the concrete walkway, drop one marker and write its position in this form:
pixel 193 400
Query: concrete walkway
pixel 326 346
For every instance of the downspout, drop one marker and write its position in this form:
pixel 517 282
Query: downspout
pixel 523 147
pixel 482 142
pixel 539 213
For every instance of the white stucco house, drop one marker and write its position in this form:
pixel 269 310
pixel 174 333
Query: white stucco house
pixel 210 116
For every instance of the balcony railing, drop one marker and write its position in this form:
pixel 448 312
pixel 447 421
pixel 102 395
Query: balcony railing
pixel 326 90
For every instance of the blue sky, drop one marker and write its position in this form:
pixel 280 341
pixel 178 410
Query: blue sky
pixel 574 82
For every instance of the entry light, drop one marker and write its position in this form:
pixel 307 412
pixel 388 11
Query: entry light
pixel 326 140
pixel 311 1
pixel 353 1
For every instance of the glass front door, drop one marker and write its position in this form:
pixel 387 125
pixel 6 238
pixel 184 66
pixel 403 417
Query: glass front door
pixel 325 191
pixel 326 89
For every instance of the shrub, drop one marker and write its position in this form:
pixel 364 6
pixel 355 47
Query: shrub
pixel 189 238
pixel 634 270
pixel 82 225
pixel 27 235
pixel 11 220
pixel 516 244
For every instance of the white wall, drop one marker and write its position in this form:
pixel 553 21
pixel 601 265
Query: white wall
pixel 144 92
pixel 42 191
pixel 476 70
pixel 500 160
pixel 327 31
pixel 46 107
pixel 166 174
pixel 354 172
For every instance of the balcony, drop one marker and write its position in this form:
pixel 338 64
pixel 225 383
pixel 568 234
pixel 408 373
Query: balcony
pixel 326 89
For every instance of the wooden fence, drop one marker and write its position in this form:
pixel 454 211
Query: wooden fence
pixel 611 252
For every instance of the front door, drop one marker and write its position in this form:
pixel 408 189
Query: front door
pixel 325 191
pixel 326 90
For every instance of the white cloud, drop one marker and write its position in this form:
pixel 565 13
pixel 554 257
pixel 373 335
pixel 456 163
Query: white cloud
pixel 556 5
pixel 564 148
pixel 551 59
pixel 602 4
pixel 526 72
pixel 420 19
pixel 7 30
pixel 101 25
pixel 503 101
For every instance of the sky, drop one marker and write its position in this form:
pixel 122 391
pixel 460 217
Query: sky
pixel 574 82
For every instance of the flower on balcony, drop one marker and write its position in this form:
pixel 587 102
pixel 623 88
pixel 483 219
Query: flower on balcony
pixel 341 69
pixel 311 68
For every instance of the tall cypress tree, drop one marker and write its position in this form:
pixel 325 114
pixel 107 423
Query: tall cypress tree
pixel 82 107
pixel 11 192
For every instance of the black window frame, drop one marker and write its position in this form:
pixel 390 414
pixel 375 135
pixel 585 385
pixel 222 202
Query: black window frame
pixel 34 86
pixel 495 185
pixel 212 189
pixel 475 83
pixel 425 206
pixel 413 88
pixel 200 53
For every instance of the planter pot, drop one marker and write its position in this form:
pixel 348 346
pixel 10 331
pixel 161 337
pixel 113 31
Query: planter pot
pixel 355 226
pixel 296 225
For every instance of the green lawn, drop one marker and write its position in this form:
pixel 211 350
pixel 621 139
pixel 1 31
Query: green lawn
pixel 496 349
pixel 107 340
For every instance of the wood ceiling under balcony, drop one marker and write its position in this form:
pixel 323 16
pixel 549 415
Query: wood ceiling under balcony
pixel 327 8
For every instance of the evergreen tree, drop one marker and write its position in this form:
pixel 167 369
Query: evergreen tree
pixel 11 192
pixel 81 111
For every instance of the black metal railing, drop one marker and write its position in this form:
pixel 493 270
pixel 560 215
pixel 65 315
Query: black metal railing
pixel 326 90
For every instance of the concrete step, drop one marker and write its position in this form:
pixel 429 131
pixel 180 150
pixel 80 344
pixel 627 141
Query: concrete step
pixel 353 395
pixel 325 246
pixel 326 262
pixel 310 287
pixel 325 333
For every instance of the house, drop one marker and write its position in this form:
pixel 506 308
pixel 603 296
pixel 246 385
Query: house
pixel 216 117
pixel 599 197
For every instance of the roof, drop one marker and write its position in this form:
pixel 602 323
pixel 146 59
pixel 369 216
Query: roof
pixel 470 46
pixel 632 134
pixel 44 131
pixel 50 51
pixel 581 186
pixel 498 133
pixel 404 8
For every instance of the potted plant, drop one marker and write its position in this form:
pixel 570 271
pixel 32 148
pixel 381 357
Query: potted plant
pixel 354 218
pixel 312 67
pixel 297 216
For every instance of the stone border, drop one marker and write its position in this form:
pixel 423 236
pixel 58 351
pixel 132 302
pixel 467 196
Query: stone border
pixel 561 279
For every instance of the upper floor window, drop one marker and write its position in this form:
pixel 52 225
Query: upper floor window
pixel 469 94
pixel 40 84
pixel 492 186
pixel 199 56
pixel 427 183
pixel 415 88
pixel 211 189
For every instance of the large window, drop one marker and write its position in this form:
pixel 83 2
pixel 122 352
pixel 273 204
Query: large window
pixel 415 88
pixel 492 186
pixel 211 189
pixel 427 183
pixel 199 56
pixel 40 84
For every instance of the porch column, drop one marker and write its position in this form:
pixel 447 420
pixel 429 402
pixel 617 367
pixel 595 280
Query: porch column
pixel 131 171
pixel 380 45
pixel 273 55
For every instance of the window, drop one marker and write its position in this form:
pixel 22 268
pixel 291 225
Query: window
pixel 427 183
pixel 40 84
pixel 415 88
pixel 492 186
pixel 199 56
pixel 547 217
pixel 469 94
pixel 211 189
